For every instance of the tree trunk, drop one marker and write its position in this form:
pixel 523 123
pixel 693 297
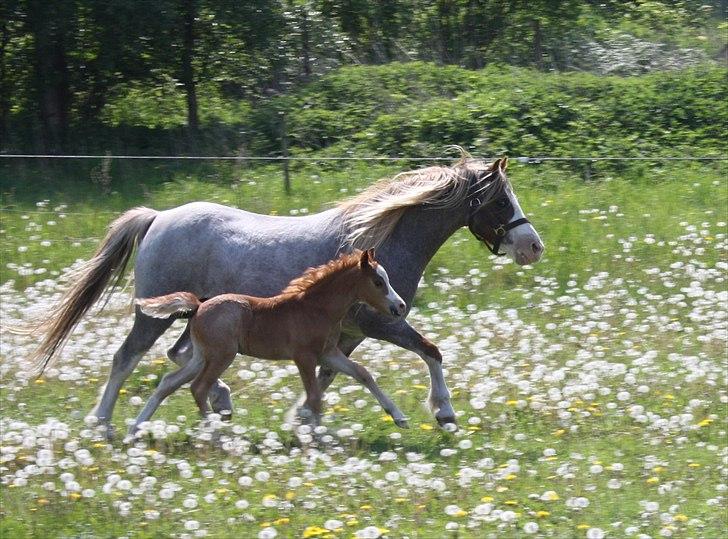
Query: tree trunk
pixel 188 71
pixel 305 44
pixel 51 76
pixel 537 44
pixel 4 82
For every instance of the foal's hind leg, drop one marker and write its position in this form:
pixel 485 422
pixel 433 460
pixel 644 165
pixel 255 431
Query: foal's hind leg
pixel 169 384
pixel 181 352
pixel 216 361
pixel 144 333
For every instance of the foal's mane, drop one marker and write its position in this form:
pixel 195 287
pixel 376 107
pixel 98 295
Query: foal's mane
pixel 314 276
pixel 370 216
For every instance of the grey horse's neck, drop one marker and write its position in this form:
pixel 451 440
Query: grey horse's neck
pixel 417 237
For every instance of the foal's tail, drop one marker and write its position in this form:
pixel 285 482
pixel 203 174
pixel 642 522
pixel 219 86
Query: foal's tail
pixel 179 303
pixel 90 281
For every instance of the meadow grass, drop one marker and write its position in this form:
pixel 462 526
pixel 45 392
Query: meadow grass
pixel 590 388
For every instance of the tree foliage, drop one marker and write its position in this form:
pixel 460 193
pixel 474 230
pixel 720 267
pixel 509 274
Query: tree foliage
pixel 70 68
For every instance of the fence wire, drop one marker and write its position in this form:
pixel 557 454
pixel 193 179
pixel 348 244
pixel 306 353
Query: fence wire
pixel 521 159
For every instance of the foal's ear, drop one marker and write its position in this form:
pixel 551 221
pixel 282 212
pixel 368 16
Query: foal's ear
pixel 496 165
pixel 504 163
pixel 364 260
pixel 370 253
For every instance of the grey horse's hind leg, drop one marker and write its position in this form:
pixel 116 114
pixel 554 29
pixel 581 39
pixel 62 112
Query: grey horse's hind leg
pixel 144 333
pixel 181 353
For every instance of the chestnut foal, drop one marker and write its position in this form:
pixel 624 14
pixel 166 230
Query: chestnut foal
pixel 302 323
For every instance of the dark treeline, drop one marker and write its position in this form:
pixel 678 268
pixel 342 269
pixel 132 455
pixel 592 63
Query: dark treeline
pixel 61 62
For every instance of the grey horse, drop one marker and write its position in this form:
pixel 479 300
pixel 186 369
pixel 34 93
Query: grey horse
pixel 209 249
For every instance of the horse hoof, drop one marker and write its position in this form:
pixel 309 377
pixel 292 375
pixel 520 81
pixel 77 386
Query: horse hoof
pixel 402 423
pixel 447 423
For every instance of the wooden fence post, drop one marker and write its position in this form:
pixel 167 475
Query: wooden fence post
pixel 284 151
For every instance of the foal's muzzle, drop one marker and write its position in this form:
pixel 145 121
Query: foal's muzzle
pixel 398 310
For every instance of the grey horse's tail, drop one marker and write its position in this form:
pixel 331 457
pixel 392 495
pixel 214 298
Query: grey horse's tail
pixel 90 281
pixel 178 303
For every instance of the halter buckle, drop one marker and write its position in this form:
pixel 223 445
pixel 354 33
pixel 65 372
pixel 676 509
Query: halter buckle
pixel 500 231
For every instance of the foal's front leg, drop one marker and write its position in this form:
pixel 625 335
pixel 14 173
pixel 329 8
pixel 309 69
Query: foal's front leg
pixel 306 364
pixel 404 335
pixel 336 360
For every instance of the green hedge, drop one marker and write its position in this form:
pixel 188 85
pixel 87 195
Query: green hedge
pixel 419 108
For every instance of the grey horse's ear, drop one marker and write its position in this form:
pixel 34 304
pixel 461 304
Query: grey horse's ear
pixel 504 163
pixel 496 165
pixel 370 252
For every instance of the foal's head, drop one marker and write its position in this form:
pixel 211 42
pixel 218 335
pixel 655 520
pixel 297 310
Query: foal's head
pixel 374 288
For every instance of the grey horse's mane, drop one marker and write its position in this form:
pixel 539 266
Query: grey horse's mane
pixel 370 217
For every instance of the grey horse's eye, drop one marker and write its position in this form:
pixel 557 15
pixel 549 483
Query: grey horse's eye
pixel 502 202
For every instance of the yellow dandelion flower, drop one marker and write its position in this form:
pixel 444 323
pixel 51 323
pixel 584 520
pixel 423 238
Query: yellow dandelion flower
pixel 559 432
pixel 387 419
pixel 39 381
pixel 281 521
pixel 511 502
pixel 542 514
pixel 352 522
pixel 652 480
pixel 122 391
pixel 460 513
pixel 693 465
pixel 511 402
pixel 419 386
pixel 365 507
pixel 74 495
pixel 552 496
pixel 486 499
pixel 668 396
pixel 400 500
pixel 158 362
pixel 313 531
pixel 474 428
pixel 510 477
pixel 308 484
pixel 583 527
pixel 290 495
pixel 270 497
pixel 425 426
pixel 658 469
pixel 705 422
pixel 43 501
pixel 680 517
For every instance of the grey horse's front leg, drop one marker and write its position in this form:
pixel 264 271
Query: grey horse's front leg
pixel 404 335
pixel 181 353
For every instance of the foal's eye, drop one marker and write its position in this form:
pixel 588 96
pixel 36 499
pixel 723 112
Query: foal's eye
pixel 379 283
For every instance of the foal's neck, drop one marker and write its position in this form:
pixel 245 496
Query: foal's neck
pixel 336 295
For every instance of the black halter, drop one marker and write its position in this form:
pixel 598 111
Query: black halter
pixel 500 230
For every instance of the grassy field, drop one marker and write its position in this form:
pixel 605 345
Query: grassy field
pixel 590 388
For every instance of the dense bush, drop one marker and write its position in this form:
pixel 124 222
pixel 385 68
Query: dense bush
pixel 420 108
